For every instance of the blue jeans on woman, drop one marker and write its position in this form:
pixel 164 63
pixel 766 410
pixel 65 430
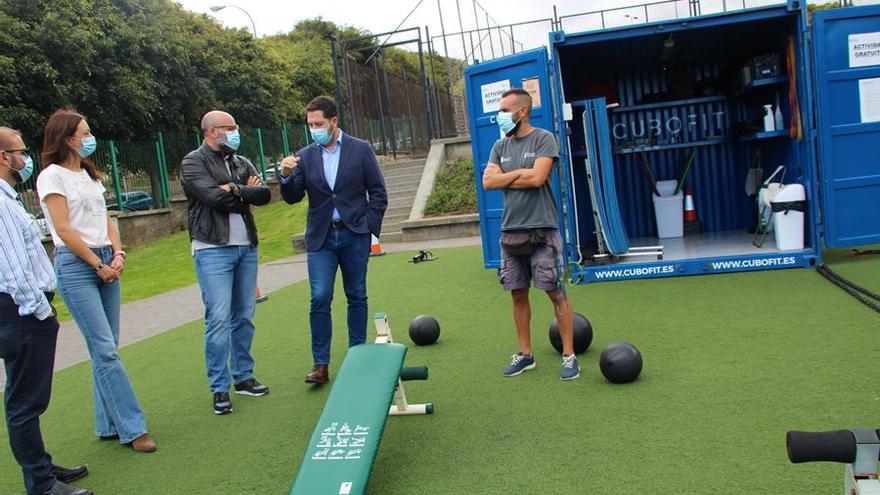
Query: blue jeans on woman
pixel 94 305
pixel 350 252
pixel 228 280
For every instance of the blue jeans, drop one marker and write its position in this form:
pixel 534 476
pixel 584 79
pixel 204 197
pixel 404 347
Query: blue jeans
pixel 95 308
pixel 228 279
pixel 350 252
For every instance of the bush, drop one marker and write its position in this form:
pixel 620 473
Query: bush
pixel 454 191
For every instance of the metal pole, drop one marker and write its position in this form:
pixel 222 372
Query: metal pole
pixel 336 75
pixel 489 28
pixel 285 142
pixel 512 41
pixel 355 126
pixel 306 133
pixel 461 31
pixel 163 172
pixel 262 153
pixel 114 168
pixel 435 104
pixel 381 110
pixel 425 87
pixel 412 136
pixel 555 18
pixel 477 22
pixel 388 105
pixel 442 29
pixel 501 41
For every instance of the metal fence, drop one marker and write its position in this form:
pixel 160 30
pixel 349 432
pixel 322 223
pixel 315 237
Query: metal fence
pixel 142 175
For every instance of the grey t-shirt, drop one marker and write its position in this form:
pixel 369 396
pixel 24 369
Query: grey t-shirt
pixel 527 208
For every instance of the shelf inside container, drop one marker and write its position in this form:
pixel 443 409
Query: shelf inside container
pixel 664 104
pixel 762 83
pixel 763 135
pixel 661 147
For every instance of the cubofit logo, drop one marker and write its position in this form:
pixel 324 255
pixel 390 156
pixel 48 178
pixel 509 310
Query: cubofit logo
pixel 345 488
pixel 635 272
pixel 757 263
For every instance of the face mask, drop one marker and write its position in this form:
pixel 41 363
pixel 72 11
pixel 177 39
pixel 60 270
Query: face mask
pixel 506 123
pixel 233 141
pixel 321 136
pixel 89 145
pixel 24 173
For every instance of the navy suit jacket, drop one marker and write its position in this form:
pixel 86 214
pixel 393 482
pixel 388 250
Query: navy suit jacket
pixel 359 193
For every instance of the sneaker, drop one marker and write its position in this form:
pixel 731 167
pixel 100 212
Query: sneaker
pixel 251 387
pixel 519 363
pixel 222 404
pixel 570 368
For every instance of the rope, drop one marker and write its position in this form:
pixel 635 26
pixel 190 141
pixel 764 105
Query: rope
pixel 859 293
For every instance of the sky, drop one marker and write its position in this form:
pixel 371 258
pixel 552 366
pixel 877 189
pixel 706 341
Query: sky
pixel 274 16
pixel 280 16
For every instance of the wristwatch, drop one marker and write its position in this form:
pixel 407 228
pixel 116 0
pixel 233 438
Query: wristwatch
pixel 119 253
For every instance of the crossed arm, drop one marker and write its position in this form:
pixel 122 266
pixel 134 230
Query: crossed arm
pixel 523 178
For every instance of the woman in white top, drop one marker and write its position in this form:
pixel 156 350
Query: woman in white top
pixel 88 263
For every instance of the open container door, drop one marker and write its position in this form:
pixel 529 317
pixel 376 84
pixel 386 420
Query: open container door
pixel 484 85
pixel 846 50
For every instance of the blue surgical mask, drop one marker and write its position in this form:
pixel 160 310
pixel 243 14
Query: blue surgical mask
pixel 321 136
pixel 28 170
pixel 233 140
pixel 89 145
pixel 25 172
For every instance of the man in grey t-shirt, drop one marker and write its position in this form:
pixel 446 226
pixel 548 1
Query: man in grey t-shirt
pixel 520 165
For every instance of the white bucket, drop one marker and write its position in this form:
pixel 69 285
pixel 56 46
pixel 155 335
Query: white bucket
pixel 789 226
pixel 669 210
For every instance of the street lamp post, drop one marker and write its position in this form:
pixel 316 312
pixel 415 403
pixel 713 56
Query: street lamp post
pixel 218 8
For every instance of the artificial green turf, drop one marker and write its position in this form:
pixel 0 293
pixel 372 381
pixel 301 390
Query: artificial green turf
pixel 731 363
pixel 166 264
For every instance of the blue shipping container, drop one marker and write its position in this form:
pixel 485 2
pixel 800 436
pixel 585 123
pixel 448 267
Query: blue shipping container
pixel 693 91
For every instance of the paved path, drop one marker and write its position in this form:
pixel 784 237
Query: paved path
pixel 154 315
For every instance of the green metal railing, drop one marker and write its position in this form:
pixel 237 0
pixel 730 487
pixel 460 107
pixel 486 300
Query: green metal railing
pixel 143 175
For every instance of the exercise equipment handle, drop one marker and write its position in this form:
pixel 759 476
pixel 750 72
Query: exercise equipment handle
pixel 408 373
pixel 830 446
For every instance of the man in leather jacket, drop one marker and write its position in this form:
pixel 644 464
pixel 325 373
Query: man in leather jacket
pixel 220 187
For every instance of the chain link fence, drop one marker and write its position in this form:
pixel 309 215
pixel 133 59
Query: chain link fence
pixel 142 175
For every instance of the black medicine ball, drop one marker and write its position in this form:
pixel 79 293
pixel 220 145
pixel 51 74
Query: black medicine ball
pixel 424 330
pixel 583 334
pixel 620 362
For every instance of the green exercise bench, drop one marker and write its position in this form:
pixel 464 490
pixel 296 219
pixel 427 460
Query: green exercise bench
pixel 368 388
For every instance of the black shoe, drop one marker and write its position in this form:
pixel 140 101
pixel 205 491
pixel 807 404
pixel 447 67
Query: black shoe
pixel 251 387
pixel 222 404
pixel 108 438
pixel 69 475
pixel 62 488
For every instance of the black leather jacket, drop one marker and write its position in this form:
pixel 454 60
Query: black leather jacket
pixel 202 172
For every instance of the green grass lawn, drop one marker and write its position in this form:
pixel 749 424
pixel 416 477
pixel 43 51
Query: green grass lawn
pixel 166 264
pixel 731 363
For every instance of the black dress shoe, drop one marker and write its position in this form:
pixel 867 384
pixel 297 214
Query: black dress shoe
pixel 61 488
pixel 69 475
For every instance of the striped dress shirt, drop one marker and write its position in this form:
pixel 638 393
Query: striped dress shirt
pixel 27 271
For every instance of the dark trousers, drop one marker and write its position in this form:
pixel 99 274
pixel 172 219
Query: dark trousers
pixel 27 346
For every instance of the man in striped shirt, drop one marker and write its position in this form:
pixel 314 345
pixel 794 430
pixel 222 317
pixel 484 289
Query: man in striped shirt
pixel 28 327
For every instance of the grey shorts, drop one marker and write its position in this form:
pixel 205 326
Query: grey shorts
pixel 544 266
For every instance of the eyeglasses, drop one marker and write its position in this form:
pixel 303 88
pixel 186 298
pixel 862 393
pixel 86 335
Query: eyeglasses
pixel 24 152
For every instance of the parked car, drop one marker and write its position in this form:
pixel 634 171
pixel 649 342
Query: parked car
pixel 132 201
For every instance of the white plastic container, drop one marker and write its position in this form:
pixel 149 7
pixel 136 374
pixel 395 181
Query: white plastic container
pixel 669 210
pixel 789 226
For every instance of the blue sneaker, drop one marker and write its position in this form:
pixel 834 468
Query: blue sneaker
pixel 570 368
pixel 519 363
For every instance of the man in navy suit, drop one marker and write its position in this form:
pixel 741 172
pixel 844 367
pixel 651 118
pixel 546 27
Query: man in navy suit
pixel 347 202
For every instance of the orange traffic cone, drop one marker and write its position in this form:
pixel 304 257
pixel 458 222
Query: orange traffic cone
pixel 260 296
pixel 375 247
pixel 690 212
pixel 692 223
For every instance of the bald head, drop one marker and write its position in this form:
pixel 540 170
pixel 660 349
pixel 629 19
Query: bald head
pixel 9 138
pixel 216 118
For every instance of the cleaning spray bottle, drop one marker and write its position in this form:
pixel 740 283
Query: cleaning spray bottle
pixel 769 119
pixel 780 123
